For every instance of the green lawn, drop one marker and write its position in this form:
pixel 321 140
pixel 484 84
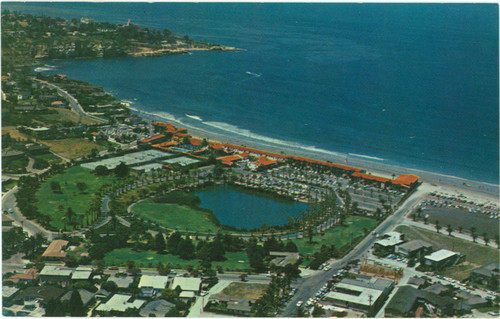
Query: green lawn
pixel 49 202
pixel 338 236
pixel 477 255
pixel 119 257
pixel 174 216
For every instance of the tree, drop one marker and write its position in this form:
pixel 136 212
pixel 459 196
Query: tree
pixel 77 309
pixel 486 238
pixel 186 249
pixel 160 242
pixel 54 308
pixel 169 294
pixel 56 187
pixel 101 170
pixel 243 277
pixel 291 247
pixel 473 233
pixel 109 286
pixel 81 187
pixel 121 170
pixel 71 262
pixel 449 229
pixel 70 215
pixel 173 242
pixel 497 240
pixel 438 227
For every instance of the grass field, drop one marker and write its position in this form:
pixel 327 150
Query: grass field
pixel 72 148
pixel 48 202
pixel 477 255
pixel 65 115
pixel 174 216
pixel 117 257
pixel 14 133
pixel 339 236
pixel 244 290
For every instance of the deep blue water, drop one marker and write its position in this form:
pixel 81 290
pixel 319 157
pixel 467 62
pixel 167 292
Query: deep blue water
pixel 237 207
pixel 415 85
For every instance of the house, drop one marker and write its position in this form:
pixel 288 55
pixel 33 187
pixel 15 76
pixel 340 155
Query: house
pixel 42 294
pixel 191 285
pixel 443 258
pixel 158 308
pixel 120 303
pixel 472 301
pixel 102 294
pixel 414 249
pixel 152 285
pixel 363 293
pixel 8 292
pixel 233 305
pixel 85 295
pixel 417 281
pixel 436 289
pixel 81 275
pixel 484 274
pixel 55 275
pixel 281 259
pixel 387 244
pixel 55 251
pixel 30 275
pixel 407 299
pixel 121 281
pixel 59 104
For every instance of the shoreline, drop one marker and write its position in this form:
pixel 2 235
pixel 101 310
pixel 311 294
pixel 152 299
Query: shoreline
pixel 482 191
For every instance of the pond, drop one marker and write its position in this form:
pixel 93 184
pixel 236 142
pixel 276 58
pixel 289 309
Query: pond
pixel 243 208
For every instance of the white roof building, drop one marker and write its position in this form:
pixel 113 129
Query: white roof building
pixel 55 271
pixel 81 275
pixel 155 282
pixel 390 239
pixel 362 296
pixel 440 255
pixel 187 284
pixel 120 303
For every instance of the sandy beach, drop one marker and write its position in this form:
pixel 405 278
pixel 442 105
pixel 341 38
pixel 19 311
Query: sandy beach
pixel 432 182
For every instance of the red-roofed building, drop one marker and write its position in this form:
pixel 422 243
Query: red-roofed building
pixel 406 180
pixel 216 146
pixel 264 161
pixel 156 139
pixel 195 141
pixel 371 177
pixel 29 275
pixel 228 160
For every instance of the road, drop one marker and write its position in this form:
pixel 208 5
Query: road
pixel 9 204
pixel 73 103
pixel 308 287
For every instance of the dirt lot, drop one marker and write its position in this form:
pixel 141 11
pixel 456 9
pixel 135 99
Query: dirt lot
pixel 72 148
pixel 244 290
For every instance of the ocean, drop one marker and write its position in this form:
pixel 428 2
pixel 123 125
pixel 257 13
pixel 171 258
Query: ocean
pixel 413 85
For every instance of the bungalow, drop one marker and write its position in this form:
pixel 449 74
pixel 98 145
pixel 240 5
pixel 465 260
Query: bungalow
pixel 121 281
pixel 30 275
pixel 120 303
pixel 85 295
pixel 152 285
pixel 42 294
pixel 233 305
pixel 156 308
pixel 55 251
pixel 190 285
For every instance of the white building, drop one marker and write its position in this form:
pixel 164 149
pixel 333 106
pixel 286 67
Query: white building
pixel 152 285
pixel 120 303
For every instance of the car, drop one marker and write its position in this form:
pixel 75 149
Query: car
pixel 112 268
pixel 299 303
pixel 494 313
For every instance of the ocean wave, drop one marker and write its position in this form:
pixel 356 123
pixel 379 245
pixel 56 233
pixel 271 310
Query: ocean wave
pixel 194 117
pixel 367 157
pixel 274 141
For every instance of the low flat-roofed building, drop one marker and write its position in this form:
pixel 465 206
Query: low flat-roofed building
pixel 387 244
pixel 29 275
pixel 120 303
pixel 158 308
pixel 42 294
pixel 187 284
pixel 56 249
pixel 485 273
pixel 414 249
pixel 442 258
pixel 9 292
pixel 81 275
pixel 55 275
pixel 152 285
pixel 363 293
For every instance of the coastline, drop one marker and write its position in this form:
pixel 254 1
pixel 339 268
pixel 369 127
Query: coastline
pixel 480 191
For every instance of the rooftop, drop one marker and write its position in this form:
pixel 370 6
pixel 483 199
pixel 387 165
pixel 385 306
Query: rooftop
pixel 55 249
pixel 440 255
pixel 185 283
pixel 55 271
pixel 120 303
pixel 364 296
pixel 156 282
pixel 415 245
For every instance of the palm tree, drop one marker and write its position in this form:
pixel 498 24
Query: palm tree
pixel 449 229
pixel 486 238
pixel 473 233
pixel 438 227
